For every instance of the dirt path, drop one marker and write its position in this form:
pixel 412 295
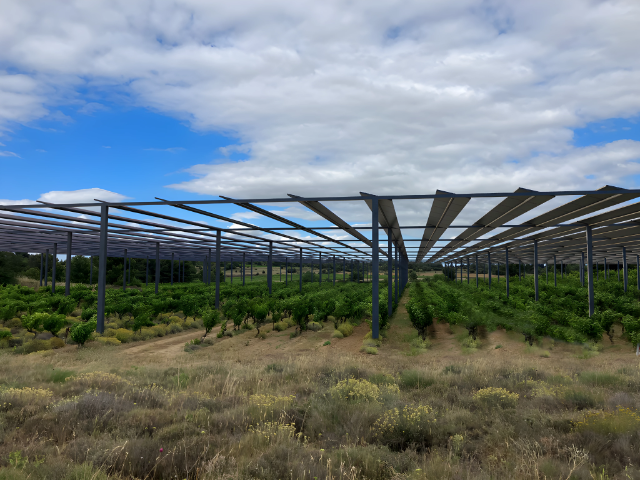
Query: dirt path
pixel 167 347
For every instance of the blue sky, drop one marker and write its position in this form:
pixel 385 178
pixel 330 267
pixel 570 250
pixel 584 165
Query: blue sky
pixel 200 99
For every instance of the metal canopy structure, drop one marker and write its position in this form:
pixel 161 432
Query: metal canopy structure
pixel 594 224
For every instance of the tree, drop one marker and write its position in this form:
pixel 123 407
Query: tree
pixel 54 323
pixel 33 322
pixel 210 318
pixel 420 315
pixel 82 332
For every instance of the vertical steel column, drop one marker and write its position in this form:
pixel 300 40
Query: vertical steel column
pixel 468 269
pixel 91 270
pixel 624 266
pixel 489 262
pixel 157 266
pixel 244 268
pixel 397 276
pixel 334 270
pixel 270 266
pixel 390 275
pixel 172 259
pixel 535 268
pixel 124 271
pixel 46 267
pixel 376 264
pixel 506 268
pixel 476 270
pixel 300 276
pixel 67 280
pixel 53 268
pixel 147 282
pixel 590 268
pixel 41 260
pixel 102 266
pixel 218 243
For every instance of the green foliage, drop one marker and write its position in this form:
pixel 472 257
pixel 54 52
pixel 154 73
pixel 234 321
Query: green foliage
pixel 81 332
pixel 53 323
pixel 210 319
pixel 33 322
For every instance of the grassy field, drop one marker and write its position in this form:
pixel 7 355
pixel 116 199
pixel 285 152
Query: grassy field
pixel 317 406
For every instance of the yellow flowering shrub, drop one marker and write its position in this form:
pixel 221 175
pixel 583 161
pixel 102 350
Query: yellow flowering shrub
pixel 262 434
pixel 622 420
pixel 353 390
pixel 108 340
pixel 400 428
pixel 99 380
pixel 493 396
pixel 19 397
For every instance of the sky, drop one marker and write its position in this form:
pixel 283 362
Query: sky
pixel 121 100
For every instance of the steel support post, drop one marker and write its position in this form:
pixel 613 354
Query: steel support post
pixel 375 232
pixel 147 281
pixel 624 267
pixel 157 266
pixel 476 271
pixel 300 276
pixel 53 268
pixel 46 267
pixel 468 269
pixel 102 266
pixel 590 268
pixel 124 271
pixel 489 262
pixel 506 269
pixel 334 270
pixel 67 277
pixel 91 270
pixel 535 268
pixel 270 267
pixel 218 245
pixel 389 275
pixel 397 275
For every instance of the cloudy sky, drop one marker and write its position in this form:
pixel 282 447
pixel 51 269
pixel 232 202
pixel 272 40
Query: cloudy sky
pixel 195 99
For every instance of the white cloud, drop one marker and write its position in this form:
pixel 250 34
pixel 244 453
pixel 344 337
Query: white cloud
pixel 85 195
pixel 24 201
pixel 8 154
pixel 330 98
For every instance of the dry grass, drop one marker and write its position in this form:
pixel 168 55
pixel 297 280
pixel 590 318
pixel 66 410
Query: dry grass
pixel 250 408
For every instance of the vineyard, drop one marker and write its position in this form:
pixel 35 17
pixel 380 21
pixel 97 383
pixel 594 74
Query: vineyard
pixel 140 314
pixel 561 313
